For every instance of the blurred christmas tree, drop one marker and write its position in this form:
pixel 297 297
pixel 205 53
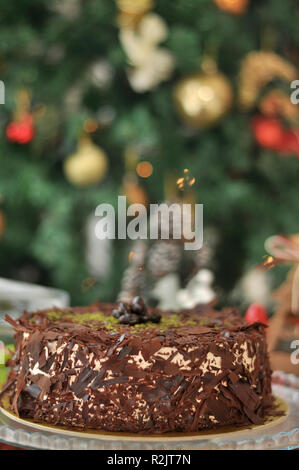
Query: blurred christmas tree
pixel 88 81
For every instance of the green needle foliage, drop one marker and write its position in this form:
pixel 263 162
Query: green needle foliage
pixel 248 193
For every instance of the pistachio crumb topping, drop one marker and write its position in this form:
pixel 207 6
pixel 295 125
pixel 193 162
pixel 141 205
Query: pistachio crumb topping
pixel 94 320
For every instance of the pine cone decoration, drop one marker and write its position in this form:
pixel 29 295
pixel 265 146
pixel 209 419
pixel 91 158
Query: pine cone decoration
pixel 164 257
pixel 134 277
pixel 204 256
pixel 133 283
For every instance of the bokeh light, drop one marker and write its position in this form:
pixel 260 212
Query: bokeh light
pixel 144 169
pixel 90 125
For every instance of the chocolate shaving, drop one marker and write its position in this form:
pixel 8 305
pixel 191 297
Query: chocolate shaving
pixel 83 379
pixel 33 390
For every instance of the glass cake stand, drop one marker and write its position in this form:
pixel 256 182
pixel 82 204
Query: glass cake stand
pixel 281 433
pixel 17 296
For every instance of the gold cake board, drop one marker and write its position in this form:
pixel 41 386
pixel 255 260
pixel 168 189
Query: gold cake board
pixel 281 407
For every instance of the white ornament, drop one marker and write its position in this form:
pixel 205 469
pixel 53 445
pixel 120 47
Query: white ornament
pixel 184 300
pixel 254 286
pixel 150 64
pixel 198 290
pixel 165 291
pixel 101 73
pixel 70 9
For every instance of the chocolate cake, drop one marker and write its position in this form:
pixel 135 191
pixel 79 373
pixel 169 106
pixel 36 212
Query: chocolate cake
pixel 129 368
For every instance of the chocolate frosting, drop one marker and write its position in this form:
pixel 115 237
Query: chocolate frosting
pixel 201 368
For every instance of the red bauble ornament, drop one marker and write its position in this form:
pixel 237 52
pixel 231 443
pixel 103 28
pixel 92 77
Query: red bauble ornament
pixel 256 313
pixel 268 132
pixel 21 131
pixel 290 142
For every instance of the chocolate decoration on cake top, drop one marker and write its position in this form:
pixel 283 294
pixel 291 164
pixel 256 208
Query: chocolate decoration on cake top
pixel 135 312
pixel 103 317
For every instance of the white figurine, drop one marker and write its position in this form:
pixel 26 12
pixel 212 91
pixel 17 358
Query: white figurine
pixel 198 290
pixel 166 290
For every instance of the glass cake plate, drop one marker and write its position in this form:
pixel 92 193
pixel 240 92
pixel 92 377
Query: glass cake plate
pixel 278 433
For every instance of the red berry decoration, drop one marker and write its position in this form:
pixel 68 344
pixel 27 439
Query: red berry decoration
pixel 21 131
pixel 268 132
pixel 256 313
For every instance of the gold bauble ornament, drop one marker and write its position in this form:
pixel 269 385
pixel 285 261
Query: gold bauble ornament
pixel 203 99
pixel 235 7
pixel 131 12
pixel 87 166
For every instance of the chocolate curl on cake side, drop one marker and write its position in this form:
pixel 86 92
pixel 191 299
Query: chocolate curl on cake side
pixel 19 384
